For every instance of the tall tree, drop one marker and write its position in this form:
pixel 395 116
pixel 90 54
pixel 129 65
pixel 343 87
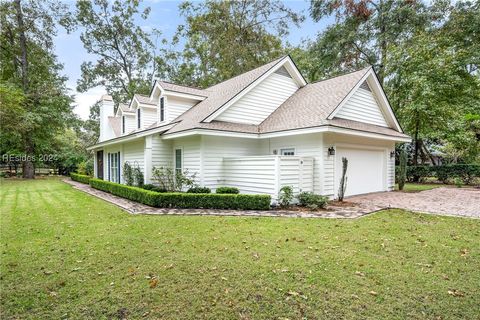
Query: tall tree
pixel 125 51
pixel 226 38
pixel 28 66
pixel 434 83
pixel 364 32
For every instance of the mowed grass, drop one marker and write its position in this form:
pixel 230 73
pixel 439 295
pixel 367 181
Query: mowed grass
pixel 417 187
pixel 65 254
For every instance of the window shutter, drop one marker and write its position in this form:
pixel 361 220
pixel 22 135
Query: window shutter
pixel 118 167
pixel 108 166
pixel 162 109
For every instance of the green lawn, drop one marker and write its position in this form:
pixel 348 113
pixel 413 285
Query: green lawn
pixel 65 254
pixel 417 187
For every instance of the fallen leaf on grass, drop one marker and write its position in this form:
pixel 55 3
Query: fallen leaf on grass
pixel 153 282
pixel 224 279
pixel 463 252
pixel 360 274
pixel 456 293
pixel 373 293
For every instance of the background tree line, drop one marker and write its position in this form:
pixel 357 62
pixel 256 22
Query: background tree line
pixel 425 54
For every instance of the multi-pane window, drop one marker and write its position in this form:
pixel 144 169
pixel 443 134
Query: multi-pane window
pixel 178 161
pixel 138 118
pixel 114 167
pixel 162 109
pixel 287 152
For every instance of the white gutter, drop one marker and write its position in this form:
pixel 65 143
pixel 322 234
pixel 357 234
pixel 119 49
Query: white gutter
pixel 132 136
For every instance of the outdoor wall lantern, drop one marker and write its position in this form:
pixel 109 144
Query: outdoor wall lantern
pixel 392 154
pixel 331 151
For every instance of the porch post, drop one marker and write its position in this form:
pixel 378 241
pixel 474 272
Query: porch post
pixel 148 159
pixel 95 173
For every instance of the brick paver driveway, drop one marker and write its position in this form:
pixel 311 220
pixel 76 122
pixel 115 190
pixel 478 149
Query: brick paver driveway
pixel 447 201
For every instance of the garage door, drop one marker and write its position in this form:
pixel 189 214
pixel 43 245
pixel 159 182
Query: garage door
pixel 365 170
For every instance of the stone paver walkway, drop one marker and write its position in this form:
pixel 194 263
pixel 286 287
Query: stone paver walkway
pixel 138 208
pixel 464 202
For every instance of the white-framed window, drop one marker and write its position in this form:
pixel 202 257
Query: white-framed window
pixel 178 160
pixel 162 109
pixel 287 151
pixel 138 118
pixel 114 167
pixel 123 124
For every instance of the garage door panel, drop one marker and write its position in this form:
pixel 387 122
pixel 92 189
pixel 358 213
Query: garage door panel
pixel 365 172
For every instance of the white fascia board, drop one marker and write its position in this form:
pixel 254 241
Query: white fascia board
pixel 176 94
pixel 350 94
pixel 372 80
pixel 156 87
pixel 148 106
pixel 380 94
pixel 287 62
pixel 132 136
pixel 329 128
pixel 208 132
pixel 286 133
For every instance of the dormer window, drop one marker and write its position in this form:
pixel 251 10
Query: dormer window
pixel 162 109
pixel 138 118
pixel 123 124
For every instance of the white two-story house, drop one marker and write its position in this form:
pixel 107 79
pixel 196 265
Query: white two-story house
pixel 259 131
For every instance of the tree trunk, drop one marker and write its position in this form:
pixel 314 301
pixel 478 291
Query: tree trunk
pixel 383 44
pixel 415 151
pixel 23 44
pixel 28 168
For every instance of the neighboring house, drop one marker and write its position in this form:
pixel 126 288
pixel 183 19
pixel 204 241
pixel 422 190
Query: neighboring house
pixel 259 131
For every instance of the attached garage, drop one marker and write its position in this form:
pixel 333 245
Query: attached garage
pixel 366 170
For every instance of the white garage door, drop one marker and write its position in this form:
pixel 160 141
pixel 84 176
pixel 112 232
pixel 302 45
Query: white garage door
pixel 365 170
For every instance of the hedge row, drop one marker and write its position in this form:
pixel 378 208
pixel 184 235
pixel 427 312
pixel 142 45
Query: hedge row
pixel 80 177
pixel 185 200
pixel 444 173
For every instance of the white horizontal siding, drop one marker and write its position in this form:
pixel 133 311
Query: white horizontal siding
pixel 130 124
pixel 261 101
pixel 148 117
pixel 191 155
pixel 174 107
pixel 162 152
pixel 363 107
pixel 214 149
pixel 309 145
pixel 133 153
pixel 252 175
pixel 296 172
pixel 390 170
pixel 328 172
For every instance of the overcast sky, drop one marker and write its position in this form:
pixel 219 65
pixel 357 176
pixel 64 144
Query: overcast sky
pixel 164 16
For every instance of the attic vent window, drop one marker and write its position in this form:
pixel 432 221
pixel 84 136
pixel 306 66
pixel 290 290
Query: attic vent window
pixel 365 86
pixel 282 71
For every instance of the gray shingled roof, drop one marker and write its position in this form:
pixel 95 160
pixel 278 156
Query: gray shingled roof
pixel 124 107
pixel 145 99
pixel 183 89
pixel 308 107
pixel 219 94
pixel 311 105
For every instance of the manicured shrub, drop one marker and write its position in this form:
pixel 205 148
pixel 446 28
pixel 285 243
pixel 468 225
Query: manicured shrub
pixel 153 187
pixel 285 196
pixel 80 177
pixel 199 190
pixel 185 200
pixel 444 173
pixel 311 200
pixel 227 190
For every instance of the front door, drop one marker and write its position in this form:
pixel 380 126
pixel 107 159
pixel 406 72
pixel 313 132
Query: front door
pixel 100 164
